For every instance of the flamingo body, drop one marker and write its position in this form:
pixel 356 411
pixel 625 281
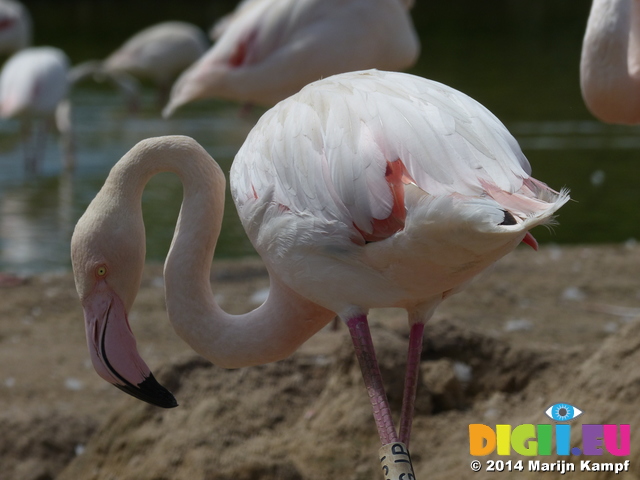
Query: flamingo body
pixel 159 53
pixel 394 186
pixel 218 28
pixel 365 189
pixel 269 49
pixel 33 88
pixel 15 27
pixel 33 82
pixel 610 61
pixel 156 54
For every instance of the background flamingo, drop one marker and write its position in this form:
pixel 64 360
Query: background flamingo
pixel 158 54
pixel 33 88
pixel 15 27
pixel 216 31
pixel 218 28
pixel 307 39
pixel 366 189
pixel 610 61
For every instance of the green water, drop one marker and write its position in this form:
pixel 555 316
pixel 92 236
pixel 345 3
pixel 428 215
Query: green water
pixel 520 59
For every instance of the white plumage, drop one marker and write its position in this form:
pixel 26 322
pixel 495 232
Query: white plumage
pixel 33 82
pixel 270 49
pixel 366 189
pixel 610 61
pixel 33 88
pixel 316 166
pixel 159 53
pixel 15 27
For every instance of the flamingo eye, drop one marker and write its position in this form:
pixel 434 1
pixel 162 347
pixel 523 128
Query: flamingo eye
pixel 101 271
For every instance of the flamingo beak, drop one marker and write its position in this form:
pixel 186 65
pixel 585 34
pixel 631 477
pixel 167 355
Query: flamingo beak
pixel 529 240
pixel 113 351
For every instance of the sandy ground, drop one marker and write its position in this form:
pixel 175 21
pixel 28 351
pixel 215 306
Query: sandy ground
pixel 558 325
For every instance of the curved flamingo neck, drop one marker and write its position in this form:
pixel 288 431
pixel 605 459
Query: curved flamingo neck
pixel 272 331
pixel 610 61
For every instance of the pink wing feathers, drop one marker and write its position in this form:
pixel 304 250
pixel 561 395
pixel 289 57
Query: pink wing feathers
pixel 270 49
pixel 387 176
pixel 367 135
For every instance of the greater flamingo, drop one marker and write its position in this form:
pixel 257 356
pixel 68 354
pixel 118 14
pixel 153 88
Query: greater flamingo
pixel 218 28
pixel 15 27
pixel 366 189
pixel 33 88
pixel 158 54
pixel 270 49
pixel 610 61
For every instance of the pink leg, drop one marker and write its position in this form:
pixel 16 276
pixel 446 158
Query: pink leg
pixel 411 381
pixel 363 345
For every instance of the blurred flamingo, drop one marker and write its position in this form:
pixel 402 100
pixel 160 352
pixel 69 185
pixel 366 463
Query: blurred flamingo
pixel 218 28
pixel 158 54
pixel 33 88
pixel 610 61
pixel 128 85
pixel 269 49
pixel 15 27
pixel 216 31
pixel 366 189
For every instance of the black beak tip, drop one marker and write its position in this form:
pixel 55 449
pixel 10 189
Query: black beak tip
pixel 150 391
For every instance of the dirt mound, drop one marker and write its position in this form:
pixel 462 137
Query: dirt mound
pixel 607 387
pixel 37 446
pixel 559 325
pixel 303 418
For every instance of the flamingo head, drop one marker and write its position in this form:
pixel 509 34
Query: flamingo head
pixel 107 253
pixel 204 79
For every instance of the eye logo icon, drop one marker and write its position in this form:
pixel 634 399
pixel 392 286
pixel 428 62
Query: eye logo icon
pixel 563 412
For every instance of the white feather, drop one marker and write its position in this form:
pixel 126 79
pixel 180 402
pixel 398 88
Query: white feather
pixel 317 164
